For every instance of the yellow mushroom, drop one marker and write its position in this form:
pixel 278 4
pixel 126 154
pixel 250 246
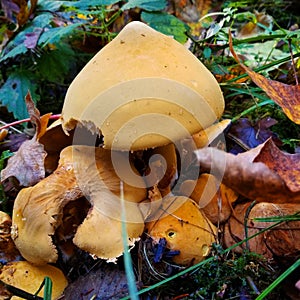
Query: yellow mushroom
pixel 83 171
pixel 213 197
pixel 27 277
pixel 8 250
pixel 185 228
pixel 143 90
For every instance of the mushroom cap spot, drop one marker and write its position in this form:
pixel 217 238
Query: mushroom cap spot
pixel 186 229
pixel 38 210
pixel 145 80
pixel 28 277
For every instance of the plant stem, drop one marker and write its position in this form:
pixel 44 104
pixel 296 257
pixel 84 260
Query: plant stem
pixel 53 117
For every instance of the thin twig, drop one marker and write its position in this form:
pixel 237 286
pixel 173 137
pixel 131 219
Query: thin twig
pixel 10 125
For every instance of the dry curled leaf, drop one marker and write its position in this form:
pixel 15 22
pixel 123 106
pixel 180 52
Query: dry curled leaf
pixel 282 241
pixel 245 134
pixel 254 174
pixel 286 96
pixel 27 165
pixel 286 165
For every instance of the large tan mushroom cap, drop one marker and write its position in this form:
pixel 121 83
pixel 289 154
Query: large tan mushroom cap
pixel 185 229
pixel 28 277
pixel 143 90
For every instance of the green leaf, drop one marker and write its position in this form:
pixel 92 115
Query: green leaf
pixel 167 24
pixel 54 35
pixel 149 5
pixel 4 155
pixel 84 4
pixel 3 200
pixel 47 5
pixel 14 90
pixel 54 65
pixel 16 46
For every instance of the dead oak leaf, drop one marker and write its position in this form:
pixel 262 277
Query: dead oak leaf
pixel 286 165
pixel 286 96
pixel 254 176
pixel 27 165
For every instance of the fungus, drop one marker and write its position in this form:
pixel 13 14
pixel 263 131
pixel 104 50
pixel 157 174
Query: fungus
pixel 185 229
pixel 38 210
pixel 27 277
pixel 214 198
pixel 143 90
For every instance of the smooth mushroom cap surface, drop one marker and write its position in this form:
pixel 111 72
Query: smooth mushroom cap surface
pixel 27 277
pixel 186 229
pixel 143 90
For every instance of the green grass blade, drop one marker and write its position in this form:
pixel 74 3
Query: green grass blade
pixel 47 288
pixel 278 280
pixel 293 217
pixel 194 267
pixel 250 109
pixel 131 281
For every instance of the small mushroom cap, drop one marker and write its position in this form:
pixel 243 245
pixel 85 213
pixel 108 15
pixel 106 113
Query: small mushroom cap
pixel 88 172
pixel 25 276
pixel 143 90
pixel 213 197
pixel 101 232
pixel 101 235
pixel 38 210
pixel 186 229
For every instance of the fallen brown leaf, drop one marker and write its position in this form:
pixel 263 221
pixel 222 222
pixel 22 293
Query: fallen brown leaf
pixel 286 96
pixel 286 165
pixel 27 165
pixel 282 241
pixel 255 176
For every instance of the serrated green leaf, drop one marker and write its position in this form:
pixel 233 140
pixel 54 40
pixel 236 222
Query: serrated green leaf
pixel 167 24
pixel 54 65
pixel 149 5
pixel 14 90
pixel 54 35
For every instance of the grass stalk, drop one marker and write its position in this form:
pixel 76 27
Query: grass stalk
pixel 278 280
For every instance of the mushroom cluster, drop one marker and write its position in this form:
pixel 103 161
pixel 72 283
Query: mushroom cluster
pixel 118 149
